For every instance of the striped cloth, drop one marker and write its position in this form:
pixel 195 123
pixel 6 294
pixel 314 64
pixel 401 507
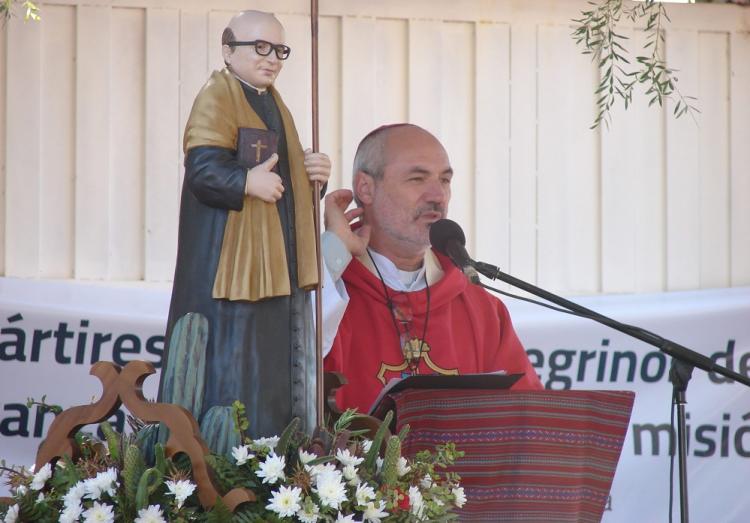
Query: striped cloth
pixel 530 456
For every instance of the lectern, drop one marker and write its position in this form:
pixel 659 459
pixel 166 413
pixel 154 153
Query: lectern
pixel 530 455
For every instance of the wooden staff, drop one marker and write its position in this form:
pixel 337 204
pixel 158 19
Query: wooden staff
pixel 319 399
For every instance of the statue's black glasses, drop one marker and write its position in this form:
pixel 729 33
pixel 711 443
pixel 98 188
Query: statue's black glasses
pixel 264 48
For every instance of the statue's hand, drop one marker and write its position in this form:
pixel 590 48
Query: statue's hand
pixel 263 183
pixel 337 220
pixel 317 166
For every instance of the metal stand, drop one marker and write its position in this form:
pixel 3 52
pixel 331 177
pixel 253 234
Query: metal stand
pixel 680 375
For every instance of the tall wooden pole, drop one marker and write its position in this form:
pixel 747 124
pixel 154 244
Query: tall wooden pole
pixel 319 393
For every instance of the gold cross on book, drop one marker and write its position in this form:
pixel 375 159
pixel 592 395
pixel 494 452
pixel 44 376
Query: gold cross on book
pixel 258 149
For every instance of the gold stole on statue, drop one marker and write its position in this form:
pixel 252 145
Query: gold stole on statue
pixel 253 264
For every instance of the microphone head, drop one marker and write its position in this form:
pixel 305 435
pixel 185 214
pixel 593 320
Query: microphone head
pixel 442 232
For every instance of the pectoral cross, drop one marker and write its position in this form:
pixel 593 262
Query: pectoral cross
pixel 258 147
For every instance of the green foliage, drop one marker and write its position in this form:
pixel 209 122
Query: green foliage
pixel 229 476
pixel 596 33
pixel 241 423
pixel 219 514
pixel 30 9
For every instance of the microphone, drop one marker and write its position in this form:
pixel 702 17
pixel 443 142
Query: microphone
pixel 447 238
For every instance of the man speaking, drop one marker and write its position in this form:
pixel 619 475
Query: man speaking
pixel 393 306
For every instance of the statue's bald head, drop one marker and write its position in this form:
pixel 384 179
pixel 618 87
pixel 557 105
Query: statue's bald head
pixel 247 23
pixel 259 70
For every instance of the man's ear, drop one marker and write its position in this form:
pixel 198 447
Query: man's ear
pixel 226 52
pixel 363 186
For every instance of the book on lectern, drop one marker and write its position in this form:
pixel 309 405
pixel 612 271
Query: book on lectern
pixel 255 146
pixel 493 380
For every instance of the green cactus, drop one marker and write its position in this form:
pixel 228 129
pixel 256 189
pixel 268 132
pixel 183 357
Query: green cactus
pixel 377 442
pixel 150 480
pixel 285 441
pixel 185 373
pixel 113 440
pixel 390 461
pixel 133 468
pixel 217 428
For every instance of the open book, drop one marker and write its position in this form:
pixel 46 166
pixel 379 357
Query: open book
pixel 492 380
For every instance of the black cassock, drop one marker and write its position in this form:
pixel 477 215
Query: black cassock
pixel 261 353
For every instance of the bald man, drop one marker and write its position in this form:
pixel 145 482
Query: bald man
pixel 246 250
pixel 395 307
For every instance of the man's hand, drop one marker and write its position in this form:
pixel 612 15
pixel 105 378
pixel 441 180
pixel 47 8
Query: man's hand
pixel 318 166
pixel 263 183
pixel 337 220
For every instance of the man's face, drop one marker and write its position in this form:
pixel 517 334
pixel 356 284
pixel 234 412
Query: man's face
pixel 244 61
pixel 415 188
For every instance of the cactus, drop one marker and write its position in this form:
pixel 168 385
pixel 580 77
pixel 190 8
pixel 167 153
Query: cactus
pixel 285 441
pixel 377 442
pixel 184 377
pixel 132 470
pixel 390 461
pixel 150 480
pixel 217 428
pixel 113 440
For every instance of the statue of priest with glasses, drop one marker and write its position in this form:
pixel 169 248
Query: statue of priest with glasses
pixel 246 255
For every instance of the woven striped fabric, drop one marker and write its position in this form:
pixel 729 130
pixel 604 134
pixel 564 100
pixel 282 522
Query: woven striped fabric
pixel 530 456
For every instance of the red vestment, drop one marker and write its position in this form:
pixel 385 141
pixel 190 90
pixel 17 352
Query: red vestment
pixel 468 331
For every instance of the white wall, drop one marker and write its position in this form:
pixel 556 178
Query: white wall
pixel 94 98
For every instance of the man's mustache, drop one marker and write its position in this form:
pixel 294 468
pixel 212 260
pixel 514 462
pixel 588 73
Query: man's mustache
pixel 430 207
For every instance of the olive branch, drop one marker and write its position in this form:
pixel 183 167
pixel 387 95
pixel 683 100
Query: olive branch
pixel 596 33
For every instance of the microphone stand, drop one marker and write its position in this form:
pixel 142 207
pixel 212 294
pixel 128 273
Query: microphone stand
pixel 683 361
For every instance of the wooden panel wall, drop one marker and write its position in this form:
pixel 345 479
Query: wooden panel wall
pixel 94 98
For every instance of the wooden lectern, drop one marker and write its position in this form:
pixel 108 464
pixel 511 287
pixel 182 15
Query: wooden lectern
pixel 530 456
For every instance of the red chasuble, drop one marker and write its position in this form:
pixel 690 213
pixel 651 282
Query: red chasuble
pixel 468 331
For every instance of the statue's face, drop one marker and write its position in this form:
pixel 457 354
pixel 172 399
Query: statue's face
pixel 244 61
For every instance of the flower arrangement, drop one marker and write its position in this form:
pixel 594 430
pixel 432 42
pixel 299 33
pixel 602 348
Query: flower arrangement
pixel 337 475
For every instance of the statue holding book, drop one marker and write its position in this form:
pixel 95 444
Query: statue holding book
pixel 246 249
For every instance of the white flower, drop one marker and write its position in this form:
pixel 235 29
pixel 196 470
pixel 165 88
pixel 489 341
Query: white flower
pixel 272 469
pixel 426 481
pixel 416 502
pixel 40 497
pixel 99 513
pixel 350 474
pixel 242 454
pixel 366 445
pixel 22 490
pixel 459 495
pixel 285 501
pixel 152 514
pixel 372 514
pixel 320 468
pixel 269 443
pixel 379 463
pixel 330 489
pixel 12 515
pixel 103 482
pixel 364 494
pixel 72 497
pixel 41 477
pixel 310 515
pixel 401 467
pixel 306 457
pixel 181 490
pixel 345 458
pixel 345 519
pixel 71 514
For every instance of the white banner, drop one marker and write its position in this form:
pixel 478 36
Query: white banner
pixel 51 333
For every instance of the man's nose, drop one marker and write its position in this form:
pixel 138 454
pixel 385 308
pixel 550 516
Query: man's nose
pixel 436 192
